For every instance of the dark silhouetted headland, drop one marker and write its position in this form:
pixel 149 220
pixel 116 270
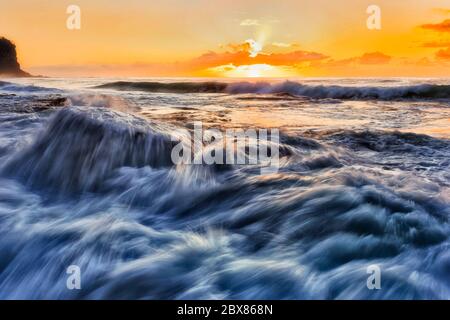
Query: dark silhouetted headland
pixel 9 66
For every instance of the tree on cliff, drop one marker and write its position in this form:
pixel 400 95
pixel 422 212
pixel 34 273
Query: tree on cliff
pixel 8 60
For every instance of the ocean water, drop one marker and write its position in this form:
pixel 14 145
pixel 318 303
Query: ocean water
pixel 86 179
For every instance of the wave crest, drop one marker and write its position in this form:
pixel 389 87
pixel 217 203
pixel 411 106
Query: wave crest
pixel 422 91
pixel 78 150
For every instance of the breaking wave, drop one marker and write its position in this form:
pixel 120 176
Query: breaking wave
pixel 422 91
pixel 80 148
pixel 175 87
pixel 18 88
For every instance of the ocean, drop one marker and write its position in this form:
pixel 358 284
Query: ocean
pixel 86 180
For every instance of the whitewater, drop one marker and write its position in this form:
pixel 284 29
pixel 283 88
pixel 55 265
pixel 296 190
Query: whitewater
pixel 86 179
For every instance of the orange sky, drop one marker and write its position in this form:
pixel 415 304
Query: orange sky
pixel 228 38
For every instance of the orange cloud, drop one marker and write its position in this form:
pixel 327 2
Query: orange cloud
pixel 443 54
pixel 252 47
pixel 241 56
pixel 374 58
pixel 436 44
pixel 444 26
pixel 289 58
pixel 368 58
pixel 236 47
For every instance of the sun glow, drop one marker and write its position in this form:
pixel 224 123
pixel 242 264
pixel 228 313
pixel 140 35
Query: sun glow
pixel 252 71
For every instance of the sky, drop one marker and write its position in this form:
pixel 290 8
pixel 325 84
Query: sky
pixel 230 38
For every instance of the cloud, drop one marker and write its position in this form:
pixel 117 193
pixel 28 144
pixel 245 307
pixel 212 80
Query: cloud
pixel 250 46
pixel 236 47
pixel 242 57
pixel 223 68
pixel 254 47
pixel 250 23
pixel 258 22
pixel 444 26
pixel 250 51
pixel 368 58
pixel 436 44
pixel 443 54
pixel 289 58
pixel 284 45
pixel 374 58
pixel 421 62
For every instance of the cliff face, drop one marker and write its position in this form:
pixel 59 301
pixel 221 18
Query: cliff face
pixel 9 66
